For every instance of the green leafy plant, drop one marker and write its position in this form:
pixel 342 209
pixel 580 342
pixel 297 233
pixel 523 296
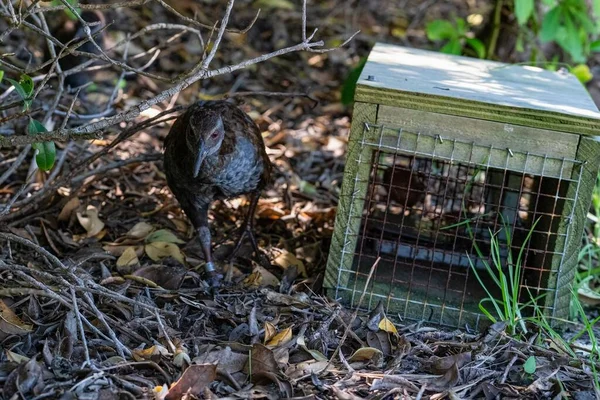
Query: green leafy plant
pixel 45 151
pixel 568 23
pixel 530 365
pixel 349 86
pixel 24 88
pixel 459 38
pixel 506 277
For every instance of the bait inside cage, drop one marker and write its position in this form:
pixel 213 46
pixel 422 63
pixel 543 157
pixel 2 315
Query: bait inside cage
pixel 429 209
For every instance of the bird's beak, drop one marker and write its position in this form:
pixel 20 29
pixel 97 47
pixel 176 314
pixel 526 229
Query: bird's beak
pixel 199 159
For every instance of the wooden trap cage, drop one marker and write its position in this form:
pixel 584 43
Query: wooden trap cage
pixel 446 153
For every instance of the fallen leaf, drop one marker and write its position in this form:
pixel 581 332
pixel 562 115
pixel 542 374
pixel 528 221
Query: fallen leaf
pixel 287 259
pixel 270 331
pixel 163 235
pixel 281 338
pixel 164 276
pixel 67 210
pixel 586 292
pixel 159 250
pixel 262 360
pixel 90 221
pixel 316 354
pixel 366 354
pixel 128 259
pixel 26 378
pixel 15 357
pixel 149 353
pixel 225 359
pixel 387 326
pixel 306 368
pixel 193 381
pixel 260 277
pixel 10 323
pixel 140 230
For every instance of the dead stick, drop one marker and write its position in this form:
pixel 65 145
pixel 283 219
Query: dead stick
pixel 354 315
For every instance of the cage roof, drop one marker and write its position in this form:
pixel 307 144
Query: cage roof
pixel 448 84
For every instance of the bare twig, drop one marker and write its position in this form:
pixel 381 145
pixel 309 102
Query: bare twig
pixel 199 72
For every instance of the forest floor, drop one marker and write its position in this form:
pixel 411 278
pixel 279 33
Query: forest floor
pixel 101 295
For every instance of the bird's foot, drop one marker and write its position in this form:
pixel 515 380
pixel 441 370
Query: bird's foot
pixel 261 256
pixel 213 277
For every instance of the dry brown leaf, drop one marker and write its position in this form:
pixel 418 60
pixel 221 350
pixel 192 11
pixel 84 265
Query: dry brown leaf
pixel 262 360
pixel 118 249
pixel 366 354
pixel 193 381
pixel 260 277
pixel 10 323
pixel 68 209
pixel 287 259
pixel 15 357
pixel 90 221
pixel 306 368
pixel 140 230
pixel 149 353
pixel 282 337
pixel 167 277
pixel 387 326
pixel 225 359
pixel 270 331
pixel 159 250
pixel 129 258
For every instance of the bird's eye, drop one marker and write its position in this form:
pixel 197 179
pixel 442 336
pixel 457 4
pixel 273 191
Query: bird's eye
pixel 214 135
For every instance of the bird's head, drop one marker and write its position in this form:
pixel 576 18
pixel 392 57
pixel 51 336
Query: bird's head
pixel 204 137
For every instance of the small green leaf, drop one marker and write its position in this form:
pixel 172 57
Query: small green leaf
pixel 523 10
pixel 24 88
pixel 461 27
pixel 583 73
pixel 440 29
pixel 27 84
pixel 35 127
pixel 570 41
pixel 595 46
pixel 46 154
pixel 18 88
pixel 454 46
pixel 1 75
pixel 530 365
pixel 478 46
pixel 163 235
pixel 349 86
pixel 551 25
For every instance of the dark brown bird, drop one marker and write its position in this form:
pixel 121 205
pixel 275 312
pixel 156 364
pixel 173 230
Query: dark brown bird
pixel 215 151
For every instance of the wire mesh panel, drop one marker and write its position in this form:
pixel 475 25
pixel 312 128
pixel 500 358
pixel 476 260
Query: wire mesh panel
pixel 429 208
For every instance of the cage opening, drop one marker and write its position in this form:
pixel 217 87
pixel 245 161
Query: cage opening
pixel 423 215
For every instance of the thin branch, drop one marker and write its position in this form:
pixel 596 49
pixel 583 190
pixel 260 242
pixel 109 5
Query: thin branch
pixel 95 130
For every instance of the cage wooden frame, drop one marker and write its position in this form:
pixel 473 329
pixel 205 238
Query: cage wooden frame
pixel 542 134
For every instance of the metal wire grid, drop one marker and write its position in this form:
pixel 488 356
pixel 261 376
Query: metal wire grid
pixel 431 278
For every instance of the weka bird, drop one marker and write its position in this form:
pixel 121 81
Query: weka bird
pixel 215 151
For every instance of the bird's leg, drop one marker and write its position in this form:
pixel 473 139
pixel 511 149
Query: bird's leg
pixel 247 227
pixel 205 242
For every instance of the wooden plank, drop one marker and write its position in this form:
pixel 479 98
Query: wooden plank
pixel 562 280
pixel 351 201
pixel 487 141
pixel 429 81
